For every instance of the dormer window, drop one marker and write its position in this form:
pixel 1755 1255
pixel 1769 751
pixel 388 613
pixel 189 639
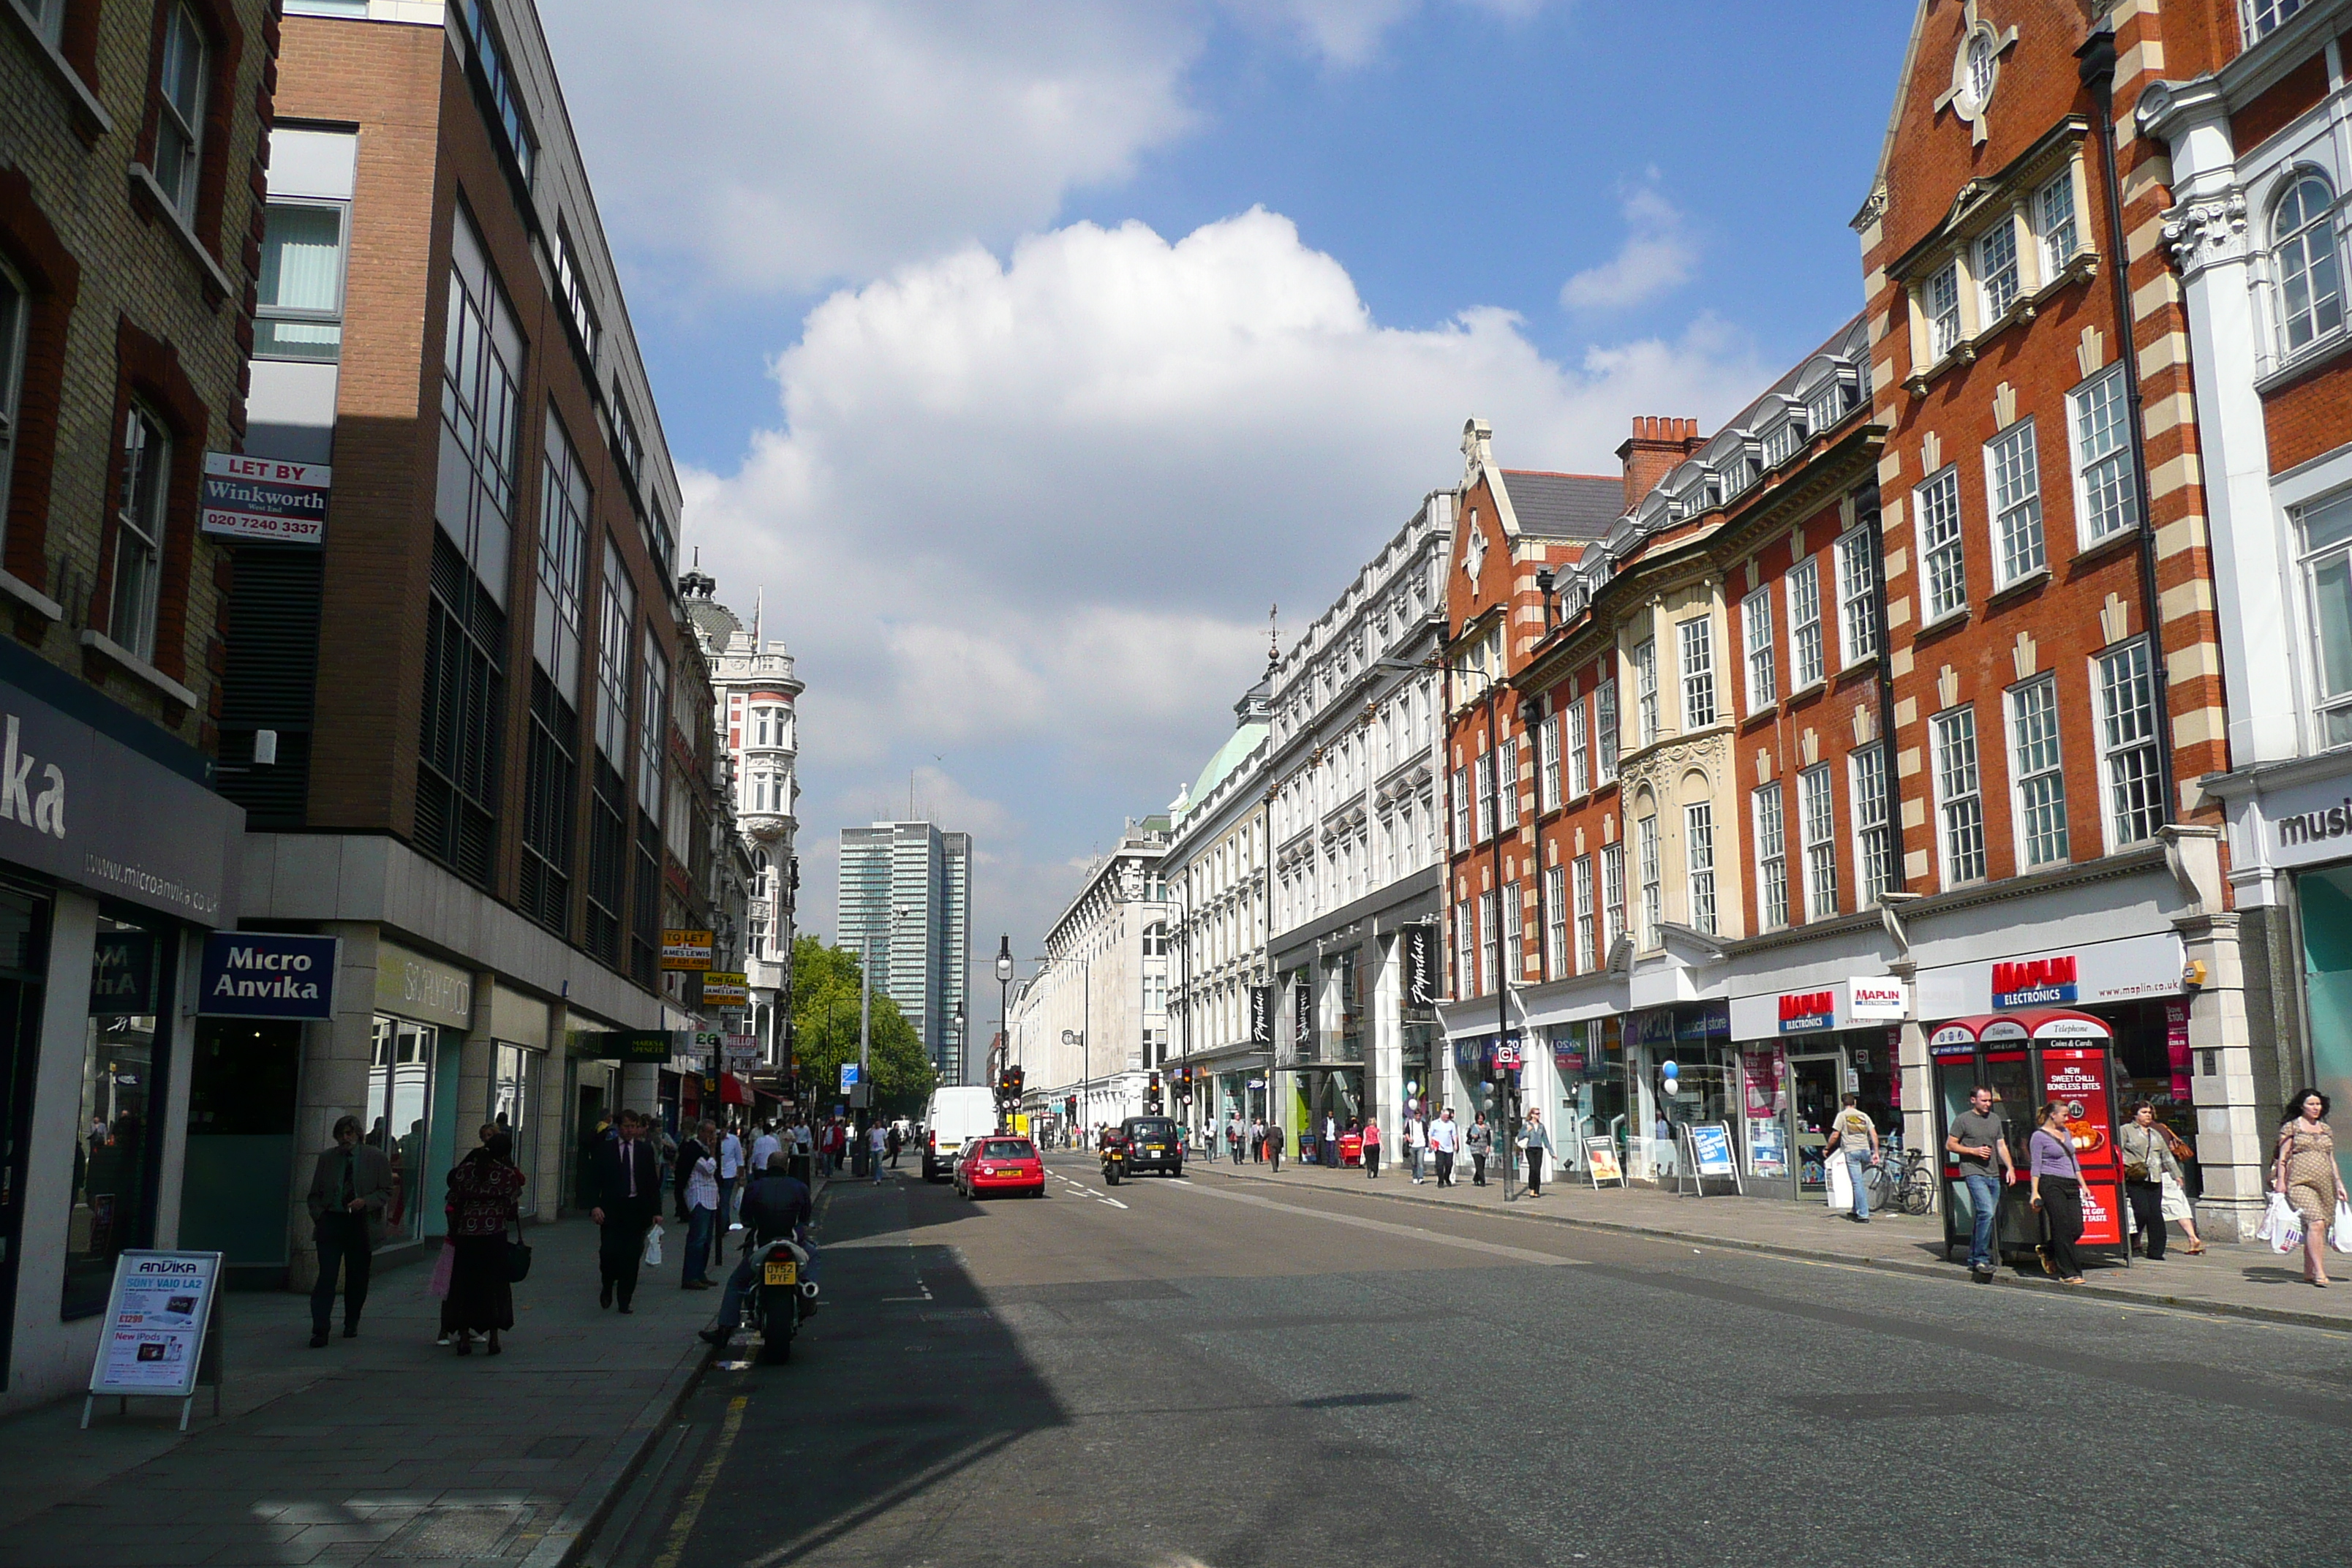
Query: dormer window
pixel 2264 18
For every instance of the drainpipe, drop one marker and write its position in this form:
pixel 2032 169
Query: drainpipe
pixel 1866 503
pixel 2097 71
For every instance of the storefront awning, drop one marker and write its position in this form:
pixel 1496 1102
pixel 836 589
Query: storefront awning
pixel 1962 1036
pixel 732 1091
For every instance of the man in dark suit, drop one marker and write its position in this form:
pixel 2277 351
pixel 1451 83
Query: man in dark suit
pixel 628 1200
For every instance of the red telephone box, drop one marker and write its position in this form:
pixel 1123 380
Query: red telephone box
pixel 2027 1057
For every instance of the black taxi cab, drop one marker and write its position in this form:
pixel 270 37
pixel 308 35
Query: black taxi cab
pixel 1153 1143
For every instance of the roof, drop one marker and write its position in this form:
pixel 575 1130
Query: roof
pixel 1229 756
pixel 1564 506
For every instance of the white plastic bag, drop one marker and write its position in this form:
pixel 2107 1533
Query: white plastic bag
pixel 2281 1226
pixel 652 1258
pixel 2339 1234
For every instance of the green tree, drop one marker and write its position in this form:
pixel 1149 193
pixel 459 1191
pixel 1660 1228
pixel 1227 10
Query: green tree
pixel 824 1032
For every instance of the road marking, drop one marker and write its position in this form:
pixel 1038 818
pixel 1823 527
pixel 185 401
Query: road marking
pixel 1412 1232
pixel 1113 1203
pixel 690 1508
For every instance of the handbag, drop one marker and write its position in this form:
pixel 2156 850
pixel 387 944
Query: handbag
pixel 652 1256
pixel 2339 1234
pixel 443 1267
pixel 517 1257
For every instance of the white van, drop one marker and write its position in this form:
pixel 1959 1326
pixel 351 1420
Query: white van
pixel 953 1118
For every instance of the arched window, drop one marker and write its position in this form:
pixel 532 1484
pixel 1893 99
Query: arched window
pixel 2311 281
pixel 1155 940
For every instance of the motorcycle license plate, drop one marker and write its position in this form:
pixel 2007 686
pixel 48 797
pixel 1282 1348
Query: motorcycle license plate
pixel 782 1274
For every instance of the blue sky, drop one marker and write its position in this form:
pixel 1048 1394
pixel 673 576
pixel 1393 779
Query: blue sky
pixel 1019 477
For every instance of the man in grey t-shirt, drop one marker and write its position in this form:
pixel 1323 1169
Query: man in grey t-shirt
pixel 1978 1140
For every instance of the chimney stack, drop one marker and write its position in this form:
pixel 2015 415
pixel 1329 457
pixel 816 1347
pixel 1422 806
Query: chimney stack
pixel 1658 445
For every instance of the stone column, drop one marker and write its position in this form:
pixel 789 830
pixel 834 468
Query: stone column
pixel 336 1056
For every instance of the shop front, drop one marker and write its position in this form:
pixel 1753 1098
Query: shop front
pixel 115 860
pixel 1681 1071
pixel 2137 988
pixel 2029 1059
pixel 1799 1054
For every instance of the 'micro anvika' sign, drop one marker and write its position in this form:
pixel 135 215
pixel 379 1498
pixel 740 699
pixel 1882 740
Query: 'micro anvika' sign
pixel 262 974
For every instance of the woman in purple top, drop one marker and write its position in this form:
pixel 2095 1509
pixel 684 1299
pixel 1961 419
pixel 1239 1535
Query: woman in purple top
pixel 2057 1193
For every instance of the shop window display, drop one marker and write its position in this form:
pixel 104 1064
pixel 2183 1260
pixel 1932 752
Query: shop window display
pixel 122 1088
pixel 398 1116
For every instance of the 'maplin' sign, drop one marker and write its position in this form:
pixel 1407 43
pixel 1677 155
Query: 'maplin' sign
pixel 2036 983
pixel 264 499
pixel 261 974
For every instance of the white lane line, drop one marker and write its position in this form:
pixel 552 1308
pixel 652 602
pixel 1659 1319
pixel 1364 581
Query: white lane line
pixel 1113 1203
pixel 1412 1232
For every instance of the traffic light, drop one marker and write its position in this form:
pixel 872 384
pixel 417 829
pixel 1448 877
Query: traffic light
pixel 1152 1102
pixel 1009 1085
pixel 1070 1106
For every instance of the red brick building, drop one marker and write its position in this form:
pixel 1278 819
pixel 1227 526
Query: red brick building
pixel 2250 117
pixel 473 729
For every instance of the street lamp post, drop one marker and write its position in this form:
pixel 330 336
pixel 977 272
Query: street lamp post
pixel 1001 1057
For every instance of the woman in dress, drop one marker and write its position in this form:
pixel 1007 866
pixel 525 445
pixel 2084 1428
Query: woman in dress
pixel 482 1191
pixel 2306 1172
pixel 2057 1193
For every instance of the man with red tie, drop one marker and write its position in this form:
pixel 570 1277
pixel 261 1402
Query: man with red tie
pixel 628 1200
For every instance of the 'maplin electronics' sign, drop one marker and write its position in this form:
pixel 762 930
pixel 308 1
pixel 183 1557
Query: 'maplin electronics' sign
pixel 264 499
pixel 2036 983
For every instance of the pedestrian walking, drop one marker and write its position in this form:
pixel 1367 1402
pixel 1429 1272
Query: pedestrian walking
pixel 892 1144
pixel 2057 1178
pixel 696 1185
pixel 1978 1140
pixel 1480 1140
pixel 1234 1138
pixel 2147 1160
pixel 349 1189
pixel 628 1201
pixel 2306 1172
pixel 1443 1137
pixel 1274 1138
pixel 483 1191
pixel 2177 1206
pixel 765 1144
pixel 1257 1140
pixel 1371 1136
pixel 1331 1150
pixel 731 1169
pixel 1416 1144
pixel 1854 1135
pixel 1536 1139
pixel 877 1143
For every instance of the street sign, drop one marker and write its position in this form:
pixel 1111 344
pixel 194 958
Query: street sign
pixel 157 1319
pixel 687 951
pixel 848 1077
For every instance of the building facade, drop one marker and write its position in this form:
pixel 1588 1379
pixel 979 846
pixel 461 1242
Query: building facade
pixel 131 149
pixel 2256 138
pixel 1355 814
pixel 471 728
pixel 759 730
pixel 906 909
pixel 1220 1015
pixel 1088 1024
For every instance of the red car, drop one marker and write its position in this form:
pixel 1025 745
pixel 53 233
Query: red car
pixel 1001 1165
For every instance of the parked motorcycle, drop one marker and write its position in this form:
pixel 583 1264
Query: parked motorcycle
pixel 780 1297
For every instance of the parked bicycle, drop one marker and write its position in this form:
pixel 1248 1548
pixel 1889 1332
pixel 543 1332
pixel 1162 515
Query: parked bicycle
pixel 1903 1181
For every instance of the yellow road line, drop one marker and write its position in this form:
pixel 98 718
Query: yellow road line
pixel 690 1508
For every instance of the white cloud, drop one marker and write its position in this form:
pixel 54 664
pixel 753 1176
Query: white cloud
pixel 1657 256
pixel 1029 512
pixel 785 144
pixel 1349 33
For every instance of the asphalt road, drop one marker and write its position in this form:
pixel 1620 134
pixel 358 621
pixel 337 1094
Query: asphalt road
pixel 1220 1373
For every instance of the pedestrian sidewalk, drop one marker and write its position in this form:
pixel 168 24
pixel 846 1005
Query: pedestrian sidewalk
pixel 384 1447
pixel 2231 1279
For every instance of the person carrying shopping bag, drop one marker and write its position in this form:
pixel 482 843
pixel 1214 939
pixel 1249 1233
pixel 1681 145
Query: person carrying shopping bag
pixel 1480 1142
pixel 2307 1174
pixel 2147 1165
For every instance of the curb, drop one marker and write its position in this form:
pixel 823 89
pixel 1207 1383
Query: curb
pixel 585 1514
pixel 1900 1266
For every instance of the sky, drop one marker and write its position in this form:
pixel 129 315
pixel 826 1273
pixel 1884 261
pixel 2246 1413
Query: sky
pixel 1020 356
